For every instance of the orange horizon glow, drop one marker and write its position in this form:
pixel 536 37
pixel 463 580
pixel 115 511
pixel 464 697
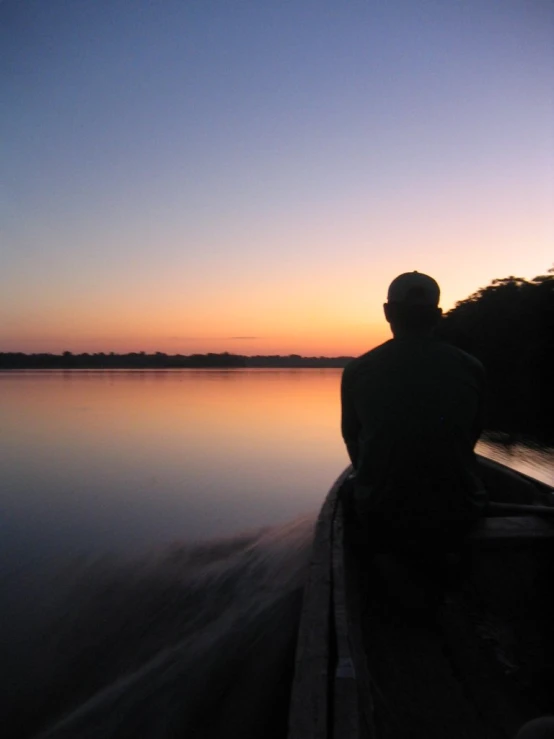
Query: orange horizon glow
pixel 326 317
pixel 180 176
pixel 338 341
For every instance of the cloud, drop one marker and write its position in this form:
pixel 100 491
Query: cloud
pixel 239 338
pixel 190 338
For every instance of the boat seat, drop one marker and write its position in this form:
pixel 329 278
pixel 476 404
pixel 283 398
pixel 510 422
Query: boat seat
pixel 512 532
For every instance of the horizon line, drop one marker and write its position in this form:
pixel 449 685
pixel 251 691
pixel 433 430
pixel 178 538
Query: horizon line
pixel 68 353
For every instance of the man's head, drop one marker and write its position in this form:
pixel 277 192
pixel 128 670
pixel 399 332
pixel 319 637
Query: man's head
pixel 412 305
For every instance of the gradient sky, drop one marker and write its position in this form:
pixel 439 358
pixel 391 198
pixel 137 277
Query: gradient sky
pixel 249 175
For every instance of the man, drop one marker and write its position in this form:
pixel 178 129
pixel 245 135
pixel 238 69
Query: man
pixel 411 415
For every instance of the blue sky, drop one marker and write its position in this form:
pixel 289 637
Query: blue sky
pixel 174 167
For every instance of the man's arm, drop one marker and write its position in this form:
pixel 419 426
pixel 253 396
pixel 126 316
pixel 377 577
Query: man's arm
pixel 350 425
pixel 479 421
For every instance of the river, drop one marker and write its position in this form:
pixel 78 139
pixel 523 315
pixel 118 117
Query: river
pixel 156 526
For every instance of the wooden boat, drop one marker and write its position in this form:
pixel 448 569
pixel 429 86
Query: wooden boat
pixel 374 661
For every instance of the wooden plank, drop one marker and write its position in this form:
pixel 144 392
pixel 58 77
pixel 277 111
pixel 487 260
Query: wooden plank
pixel 309 714
pixel 356 588
pixel 346 721
pixel 417 693
pixel 496 698
pixel 513 532
pixel 329 660
pixel 505 485
pixel 513 509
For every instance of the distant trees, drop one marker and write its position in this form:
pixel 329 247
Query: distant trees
pixel 159 360
pixel 509 326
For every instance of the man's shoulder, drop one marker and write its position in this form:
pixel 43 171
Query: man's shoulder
pixel 371 356
pixel 388 352
pixel 468 360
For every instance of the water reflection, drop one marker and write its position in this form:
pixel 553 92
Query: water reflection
pixel 132 461
pixel 110 459
pixel 537 462
pixel 96 460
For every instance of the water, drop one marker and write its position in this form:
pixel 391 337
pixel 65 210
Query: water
pixel 124 461
pixel 534 461
pixel 157 646
pixel 156 530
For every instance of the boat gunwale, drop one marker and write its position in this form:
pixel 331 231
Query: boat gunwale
pixel 312 714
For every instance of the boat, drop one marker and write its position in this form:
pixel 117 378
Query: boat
pixel 377 659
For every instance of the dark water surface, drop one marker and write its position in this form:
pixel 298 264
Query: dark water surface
pixel 115 622
pixel 126 460
pixel 95 461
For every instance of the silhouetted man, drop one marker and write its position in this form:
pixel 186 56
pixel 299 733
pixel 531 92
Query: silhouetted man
pixel 411 415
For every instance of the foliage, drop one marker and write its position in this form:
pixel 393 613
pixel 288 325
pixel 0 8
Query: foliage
pixel 159 360
pixel 509 326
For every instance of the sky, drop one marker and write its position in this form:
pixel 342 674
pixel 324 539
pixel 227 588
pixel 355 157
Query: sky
pixel 249 175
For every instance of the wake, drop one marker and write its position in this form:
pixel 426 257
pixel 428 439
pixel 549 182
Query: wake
pixel 197 640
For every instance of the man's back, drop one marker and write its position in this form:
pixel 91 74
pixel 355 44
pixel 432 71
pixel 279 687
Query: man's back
pixel 412 411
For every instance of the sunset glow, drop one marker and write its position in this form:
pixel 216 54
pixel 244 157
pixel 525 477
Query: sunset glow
pixel 249 177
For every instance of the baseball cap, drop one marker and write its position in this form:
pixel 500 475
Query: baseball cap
pixel 414 288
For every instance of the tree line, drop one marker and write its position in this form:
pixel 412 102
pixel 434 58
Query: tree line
pixel 509 326
pixel 159 360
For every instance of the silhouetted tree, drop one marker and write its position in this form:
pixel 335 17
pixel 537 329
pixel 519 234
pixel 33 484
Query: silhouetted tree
pixel 509 326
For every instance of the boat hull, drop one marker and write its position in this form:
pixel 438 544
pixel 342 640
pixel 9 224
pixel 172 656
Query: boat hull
pixel 380 655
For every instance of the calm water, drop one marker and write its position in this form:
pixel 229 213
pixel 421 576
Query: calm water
pixel 103 460
pixel 142 465
pixel 95 461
